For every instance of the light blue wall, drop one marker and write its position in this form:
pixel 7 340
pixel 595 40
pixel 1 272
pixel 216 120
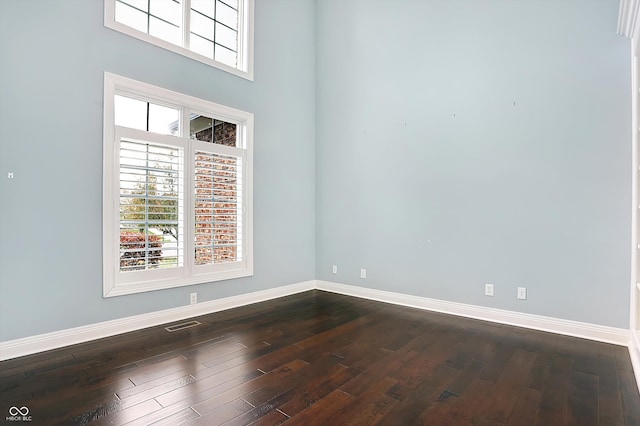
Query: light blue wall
pixel 53 54
pixel 468 142
pixel 423 169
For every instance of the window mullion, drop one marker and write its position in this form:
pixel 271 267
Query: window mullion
pixel 148 16
pixel 189 209
pixel 186 24
pixel 147 242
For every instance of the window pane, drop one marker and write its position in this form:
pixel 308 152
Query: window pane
pixel 168 10
pixel 138 4
pixel 201 46
pixel 226 37
pixel 133 113
pixel 131 17
pixel 231 3
pixel 165 31
pixel 218 194
pixel 226 56
pixel 130 112
pixel 163 120
pixel 151 225
pixel 206 7
pixel 227 15
pixel 207 129
pixel 202 25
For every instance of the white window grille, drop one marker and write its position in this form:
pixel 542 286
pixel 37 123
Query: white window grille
pixel 216 32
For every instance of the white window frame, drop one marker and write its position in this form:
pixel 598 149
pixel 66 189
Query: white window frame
pixel 245 37
pixel 116 283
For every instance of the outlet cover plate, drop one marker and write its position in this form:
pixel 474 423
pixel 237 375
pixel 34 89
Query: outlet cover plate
pixel 488 289
pixel 522 293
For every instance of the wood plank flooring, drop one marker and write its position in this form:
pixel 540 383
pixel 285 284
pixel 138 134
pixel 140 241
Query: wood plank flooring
pixel 319 358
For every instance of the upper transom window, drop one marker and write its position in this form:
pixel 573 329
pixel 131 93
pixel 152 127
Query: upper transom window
pixel 216 32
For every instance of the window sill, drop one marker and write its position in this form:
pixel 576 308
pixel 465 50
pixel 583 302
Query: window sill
pixel 112 290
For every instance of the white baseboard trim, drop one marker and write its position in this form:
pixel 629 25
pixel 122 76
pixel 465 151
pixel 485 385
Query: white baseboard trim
pixel 634 354
pixel 601 333
pixel 57 339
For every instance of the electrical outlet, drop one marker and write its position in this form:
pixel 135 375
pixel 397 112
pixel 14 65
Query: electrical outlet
pixel 334 269
pixel 488 289
pixel 363 273
pixel 522 293
pixel 193 298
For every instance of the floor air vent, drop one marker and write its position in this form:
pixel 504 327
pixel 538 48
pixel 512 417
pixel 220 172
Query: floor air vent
pixel 182 326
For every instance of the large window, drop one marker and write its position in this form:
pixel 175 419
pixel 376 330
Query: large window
pixel 177 189
pixel 216 32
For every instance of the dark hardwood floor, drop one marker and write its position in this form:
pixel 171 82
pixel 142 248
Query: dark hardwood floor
pixel 321 358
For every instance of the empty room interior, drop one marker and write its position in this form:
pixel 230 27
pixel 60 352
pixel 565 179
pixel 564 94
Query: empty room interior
pixel 319 212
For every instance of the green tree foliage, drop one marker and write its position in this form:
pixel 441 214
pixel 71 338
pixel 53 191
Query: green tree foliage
pixel 153 205
pixel 159 209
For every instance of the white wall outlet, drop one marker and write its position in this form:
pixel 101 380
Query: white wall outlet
pixel 10 175
pixel 334 269
pixel 522 293
pixel 193 298
pixel 488 289
pixel 363 273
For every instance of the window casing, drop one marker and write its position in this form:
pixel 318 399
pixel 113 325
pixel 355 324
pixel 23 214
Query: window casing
pixel 177 189
pixel 216 32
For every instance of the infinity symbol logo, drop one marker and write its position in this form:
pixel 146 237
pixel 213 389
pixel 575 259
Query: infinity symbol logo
pixel 14 411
